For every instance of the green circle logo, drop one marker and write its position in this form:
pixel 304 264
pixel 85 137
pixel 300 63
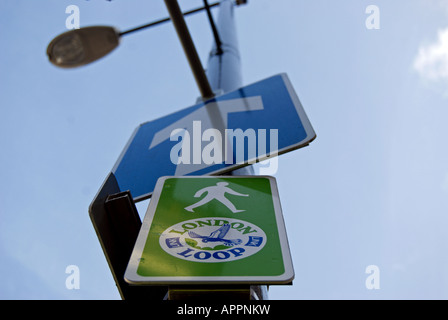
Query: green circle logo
pixel 212 239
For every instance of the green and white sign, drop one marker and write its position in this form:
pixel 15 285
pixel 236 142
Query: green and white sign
pixel 207 229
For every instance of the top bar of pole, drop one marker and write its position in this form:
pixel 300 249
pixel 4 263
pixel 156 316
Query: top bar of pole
pixel 178 20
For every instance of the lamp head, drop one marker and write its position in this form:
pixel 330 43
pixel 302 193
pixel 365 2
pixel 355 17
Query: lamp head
pixel 78 47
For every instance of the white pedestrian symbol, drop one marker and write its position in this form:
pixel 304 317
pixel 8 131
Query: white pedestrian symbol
pixel 216 192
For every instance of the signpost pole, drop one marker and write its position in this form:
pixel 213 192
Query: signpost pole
pixel 224 75
pixel 224 63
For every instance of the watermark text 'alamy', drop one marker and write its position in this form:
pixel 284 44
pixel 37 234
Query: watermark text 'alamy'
pixel 236 147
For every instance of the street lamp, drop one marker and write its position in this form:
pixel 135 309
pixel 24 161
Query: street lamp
pixel 79 47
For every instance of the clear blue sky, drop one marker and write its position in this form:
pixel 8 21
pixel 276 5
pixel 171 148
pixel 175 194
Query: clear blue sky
pixel 372 189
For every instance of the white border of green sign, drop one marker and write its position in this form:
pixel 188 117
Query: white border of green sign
pixel 192 237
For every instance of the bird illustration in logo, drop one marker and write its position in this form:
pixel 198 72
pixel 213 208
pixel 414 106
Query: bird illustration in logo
pixel 217 236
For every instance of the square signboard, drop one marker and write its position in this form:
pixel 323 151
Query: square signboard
pixel 210 230
pixel 268 111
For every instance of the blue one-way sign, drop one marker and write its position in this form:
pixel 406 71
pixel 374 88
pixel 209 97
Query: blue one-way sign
pixel 250 124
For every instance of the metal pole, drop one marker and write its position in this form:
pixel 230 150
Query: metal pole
pixel 178 20
pixel 224 74
pixel 224 68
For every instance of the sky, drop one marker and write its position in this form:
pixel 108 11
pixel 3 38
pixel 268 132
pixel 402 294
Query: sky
pixel 370 193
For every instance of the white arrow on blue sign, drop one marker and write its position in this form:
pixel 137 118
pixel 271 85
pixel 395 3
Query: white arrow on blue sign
pixel 250 124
